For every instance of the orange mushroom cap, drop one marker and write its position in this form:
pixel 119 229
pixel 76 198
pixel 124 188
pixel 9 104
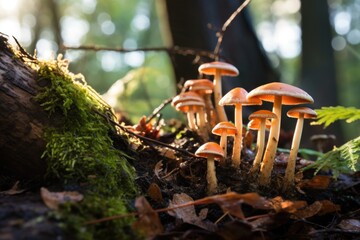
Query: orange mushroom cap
pixel 210 149
pixel 291 95
pixel 262 114
pixel 227 127
pixel 295 112
pixel 188 105
pixel 254 124
pixel 186 96
pixel 238 95
pixel 200 85
pixel 226 69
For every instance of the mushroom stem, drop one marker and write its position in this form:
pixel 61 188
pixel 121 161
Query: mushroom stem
pixel 260 144
pixel 223 145
pixel 270 152
pixel 191 119
pixel 217 96
pixel 211 176
pixel 203 132
pixel 290 169
pixel 236 155
pixel 211 115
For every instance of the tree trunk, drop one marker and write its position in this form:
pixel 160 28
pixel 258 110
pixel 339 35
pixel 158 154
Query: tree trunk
pixel 22 119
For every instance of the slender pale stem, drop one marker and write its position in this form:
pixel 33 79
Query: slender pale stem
pixel 203 132
pixel 223 145
pixel 236 155
pixel 211 176
pixel 260 144
pixel 217 96
pixel 270 152
pixel 191 119
pixel 290 169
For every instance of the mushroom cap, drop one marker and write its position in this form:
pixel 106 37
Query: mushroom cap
pixel 308 112
pixel 227 127
pixel 262 114
pixel 189 105
pixel 291 95
pixel 186 96
pixel 226 69
pixel 210 149
pixel 254 124
pixel 200 85
pixel 238 95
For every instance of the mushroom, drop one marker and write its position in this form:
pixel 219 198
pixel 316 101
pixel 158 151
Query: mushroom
pixel 259 122
pixel 322 140
pixel 212 151
pixel 237 97
pixel 205 88
pixel 280 94
pixel 219 69
pixel 190 108
pixel 224 129
pixel 300 113
pixel 185 97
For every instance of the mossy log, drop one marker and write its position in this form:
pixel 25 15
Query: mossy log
pixel 22 119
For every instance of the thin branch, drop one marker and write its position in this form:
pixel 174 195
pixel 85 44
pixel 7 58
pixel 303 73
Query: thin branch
pixel 158 109
pixel 225 26
pixel 173 50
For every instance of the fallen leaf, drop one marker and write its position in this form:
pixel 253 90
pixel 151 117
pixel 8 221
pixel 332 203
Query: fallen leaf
pixel 281 205
pixel 188 214
pixel 148 223
pixel 350 225
pixel 13 190
pixel 317 182
pixel 53 199
pixel 308 211
pixel 154 192
pixel 328 207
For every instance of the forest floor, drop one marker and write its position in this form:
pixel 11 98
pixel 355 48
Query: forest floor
pixel 318 207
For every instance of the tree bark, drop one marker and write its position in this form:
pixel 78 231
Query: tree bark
pixel 22 119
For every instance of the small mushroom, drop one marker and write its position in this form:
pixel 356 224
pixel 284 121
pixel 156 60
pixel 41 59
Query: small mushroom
pixel 237 97
pixel 300 113
pixel 321 141
pixel 259 121
pixel 190 108
pixel 211 151
pixel 219 69
pixel 224 129
pixel 205 88
pixel 280 94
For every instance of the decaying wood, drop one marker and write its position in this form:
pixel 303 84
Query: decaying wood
pixel 22 119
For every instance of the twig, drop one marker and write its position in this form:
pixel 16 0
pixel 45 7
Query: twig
pixel 158 109
pixel 174 50
pixel 225 26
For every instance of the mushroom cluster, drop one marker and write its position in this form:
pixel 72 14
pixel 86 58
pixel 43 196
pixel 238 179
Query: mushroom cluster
pixel 209 119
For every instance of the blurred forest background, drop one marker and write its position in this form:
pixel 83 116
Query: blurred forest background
pixel 311 44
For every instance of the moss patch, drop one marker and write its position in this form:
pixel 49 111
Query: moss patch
pixel 79 148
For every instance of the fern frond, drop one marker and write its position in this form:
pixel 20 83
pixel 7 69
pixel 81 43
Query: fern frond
pixel 345 159
pixel 328 115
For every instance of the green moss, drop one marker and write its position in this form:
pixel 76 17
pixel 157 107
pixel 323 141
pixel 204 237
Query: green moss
pixel 79 149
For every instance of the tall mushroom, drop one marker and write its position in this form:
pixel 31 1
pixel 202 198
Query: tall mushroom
pixel 258 121
pixel 237 97
pixel 224 129
pixel 280 94
pixel 219 69
pixel 211 151
pixel 300 113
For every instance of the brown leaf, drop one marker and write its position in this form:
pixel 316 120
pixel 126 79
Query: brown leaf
pixel 188 214
pixel 13 190
pixel 317 182
pixel 281 205
pixel 53 199
pixel 148 223
pixel 154 192
pixel 328 207
pixel 308 211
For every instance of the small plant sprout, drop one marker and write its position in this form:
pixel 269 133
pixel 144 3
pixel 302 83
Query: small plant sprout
pixel 205 88
pixel 219 69
pixel 259 121
pixel 280 94
pixel 211 151
pixel 237 97
pixel 224 129
pixel 300 113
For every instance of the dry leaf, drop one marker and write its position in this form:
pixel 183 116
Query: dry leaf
pixel 350 225
pixel 53 199
pixel 13 190
pixel 154 192
pixel 188 214
pixel 148 223
pixel 317 182
pixel 281 205
pixel 309 211
pixel 328 207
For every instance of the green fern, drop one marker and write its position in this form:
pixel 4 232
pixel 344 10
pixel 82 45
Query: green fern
pixel 328 115
pixel 345 159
